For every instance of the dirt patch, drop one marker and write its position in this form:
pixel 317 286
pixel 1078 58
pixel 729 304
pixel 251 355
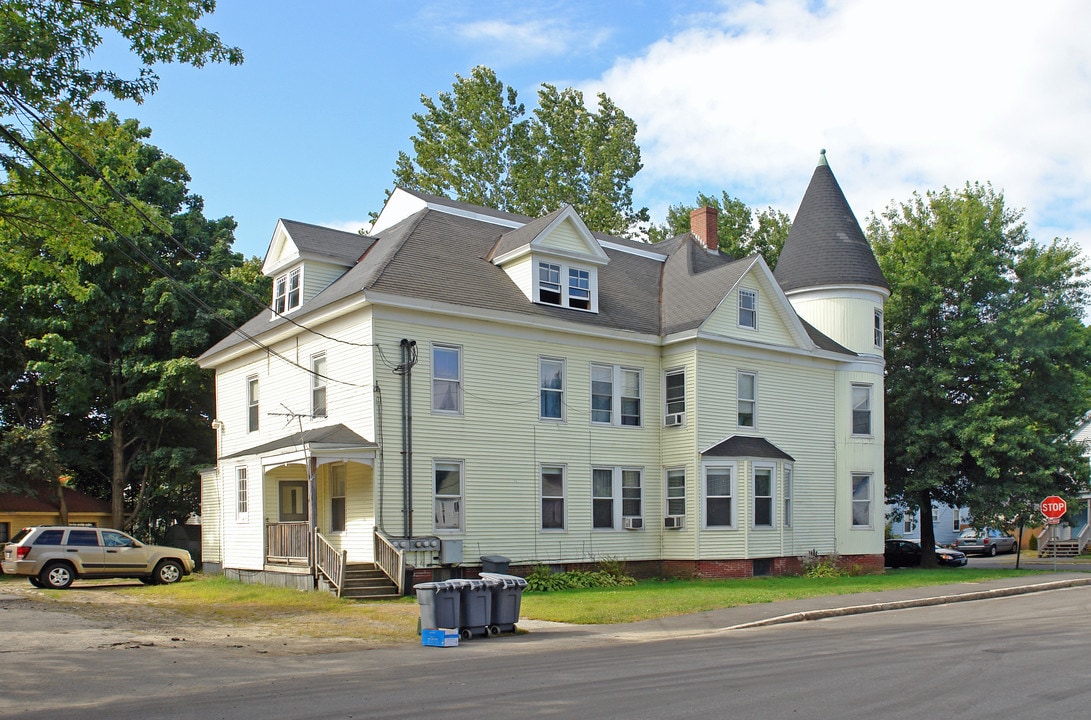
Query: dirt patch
pixel 87 617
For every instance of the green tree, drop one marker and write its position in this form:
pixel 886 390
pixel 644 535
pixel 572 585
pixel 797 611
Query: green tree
pixel 475 144
pixel 47 49
pixel 742 231
pixel 110 367
pixel 987 357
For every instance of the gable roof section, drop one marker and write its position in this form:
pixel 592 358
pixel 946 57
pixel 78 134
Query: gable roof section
pixel 694 282
pixel 537 235
pixel 293 241
pixel 332 436
pixel 826 245
pixel 750 447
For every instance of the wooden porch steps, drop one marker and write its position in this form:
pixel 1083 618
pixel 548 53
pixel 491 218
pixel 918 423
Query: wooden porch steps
pixel 1060 548
pixel 365 581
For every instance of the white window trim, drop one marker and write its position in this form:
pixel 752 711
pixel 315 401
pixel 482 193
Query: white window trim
pixel 870 410
pixel 617 372
pixel 563 497
pixel 319 382
pixel 253 400
pixel 667 489
pixel 870 501
pixel 772 468
pixel 460 499
pixel 592 284
pixel 739 398
pixel 242 493
pixel 734 468
pixel 334 469
pixel 562 391
pixel 880 329
pixel 788 487
pixel 617 496
pixel 459 401
pixel 754 294
pixel 670 373
pixel 286 277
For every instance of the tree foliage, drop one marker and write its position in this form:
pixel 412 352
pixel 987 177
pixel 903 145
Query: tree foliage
pixel 987 357
pixel 105 357
pixel 742 231
pixel 476 144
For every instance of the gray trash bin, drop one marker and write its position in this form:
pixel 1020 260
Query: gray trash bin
pixel 439 605
pixel 476 607
pixel 507 596
pixel 494 564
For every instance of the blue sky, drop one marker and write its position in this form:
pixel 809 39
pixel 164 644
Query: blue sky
pixel 905 95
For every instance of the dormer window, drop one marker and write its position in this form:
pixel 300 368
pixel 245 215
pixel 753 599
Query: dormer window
pixel 287 292
pixel 578 293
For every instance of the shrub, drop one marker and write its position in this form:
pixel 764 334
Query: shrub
pixel 611 573
pixel 825 566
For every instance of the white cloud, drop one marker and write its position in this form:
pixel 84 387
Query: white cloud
pixel 905 95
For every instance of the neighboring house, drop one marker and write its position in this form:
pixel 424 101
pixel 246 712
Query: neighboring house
pixel 465 382
pixel 39 505
pixel 947 522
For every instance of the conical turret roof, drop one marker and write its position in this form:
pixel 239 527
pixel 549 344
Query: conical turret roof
pixel 826 245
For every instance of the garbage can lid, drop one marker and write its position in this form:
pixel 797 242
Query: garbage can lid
pixel 437 586
pixel 495 559
pixel 505 580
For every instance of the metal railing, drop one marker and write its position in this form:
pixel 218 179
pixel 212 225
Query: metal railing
pixel 391 561
pixel 288 543
pixel 330 562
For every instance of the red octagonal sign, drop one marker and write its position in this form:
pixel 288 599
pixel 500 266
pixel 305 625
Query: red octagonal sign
pixel 1054 507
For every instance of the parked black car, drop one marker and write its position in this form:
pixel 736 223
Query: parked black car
pixel 907 553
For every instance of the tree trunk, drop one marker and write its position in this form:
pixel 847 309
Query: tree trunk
pixel 62 505
pixel 928 531
pixel 117 476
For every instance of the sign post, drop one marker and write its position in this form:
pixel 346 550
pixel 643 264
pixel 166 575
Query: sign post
pixel 1054 508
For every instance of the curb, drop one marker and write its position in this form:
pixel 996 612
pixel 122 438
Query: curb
pixel 919 602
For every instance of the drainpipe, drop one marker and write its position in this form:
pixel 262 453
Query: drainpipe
pixel 407 436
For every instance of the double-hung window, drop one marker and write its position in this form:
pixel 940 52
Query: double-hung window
pixel 787 496
pixel 676 492
pixel 674 384
pixel 617 496
pixel 447 379
pixel 616 395
pixel 861 409
pixel 763 496
pixel 253 414
pixel 956 519
pixel 337 498
pixel 719 496
pixel 879 329
pixel 552 485
pixel 447 481
pixel 748 309
pixel 565 286
pixel 318 386
pixel 288 292
pixel 747 399
pixel 861 500
pixel 242 495
pixel 551 389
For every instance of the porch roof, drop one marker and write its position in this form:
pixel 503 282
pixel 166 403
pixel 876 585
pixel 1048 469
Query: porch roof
pixel 324 438
pixel 743 446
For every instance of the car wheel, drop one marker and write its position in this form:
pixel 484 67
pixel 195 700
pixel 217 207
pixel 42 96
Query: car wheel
pixel 992 551
pixel 36 582
pixel 58 576
pixel 147 580
pixel 167 572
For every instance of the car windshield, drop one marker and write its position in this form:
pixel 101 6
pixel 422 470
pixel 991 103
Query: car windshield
pixel 971 533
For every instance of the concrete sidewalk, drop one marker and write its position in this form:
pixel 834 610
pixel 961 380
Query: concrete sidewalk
pixel 750 616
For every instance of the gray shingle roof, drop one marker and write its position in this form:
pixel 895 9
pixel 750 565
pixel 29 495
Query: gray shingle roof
pixel 316 241
pixel 826 245
pixel 743 446
pixel 333 435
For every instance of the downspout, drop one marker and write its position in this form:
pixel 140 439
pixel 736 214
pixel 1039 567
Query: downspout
pixel 407 437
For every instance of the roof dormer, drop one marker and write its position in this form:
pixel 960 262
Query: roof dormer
pixel 554 260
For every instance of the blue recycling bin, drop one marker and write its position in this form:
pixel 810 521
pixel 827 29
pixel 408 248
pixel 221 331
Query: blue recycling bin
pixel 507 597
pixel 439 605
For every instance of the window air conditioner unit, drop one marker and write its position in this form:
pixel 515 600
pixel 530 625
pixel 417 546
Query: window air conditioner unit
pixel 674 522
pixel 672 419
pixel 632 523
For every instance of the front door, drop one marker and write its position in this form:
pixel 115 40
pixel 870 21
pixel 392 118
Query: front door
pixel 293 501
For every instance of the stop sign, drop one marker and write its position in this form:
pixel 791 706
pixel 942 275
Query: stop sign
pixel 1054 507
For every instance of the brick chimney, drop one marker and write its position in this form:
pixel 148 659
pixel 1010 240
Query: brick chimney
pixel 702 223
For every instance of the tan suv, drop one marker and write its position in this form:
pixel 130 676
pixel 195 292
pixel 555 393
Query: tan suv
pixel 54 556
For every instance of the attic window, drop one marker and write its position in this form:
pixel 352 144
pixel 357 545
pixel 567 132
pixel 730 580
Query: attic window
pixel 578 293
pixel 287 292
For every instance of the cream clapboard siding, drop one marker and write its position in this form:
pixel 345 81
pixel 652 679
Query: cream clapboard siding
pixel 770 324
pixel 847 316
pixel 317 276
pixel 211 515
pixel 783 388
pixel 679 450
pixel 859 454
pixel 566 237
pixel 356 539
pixel 242 533
pixel 502 442
pixel 521 273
